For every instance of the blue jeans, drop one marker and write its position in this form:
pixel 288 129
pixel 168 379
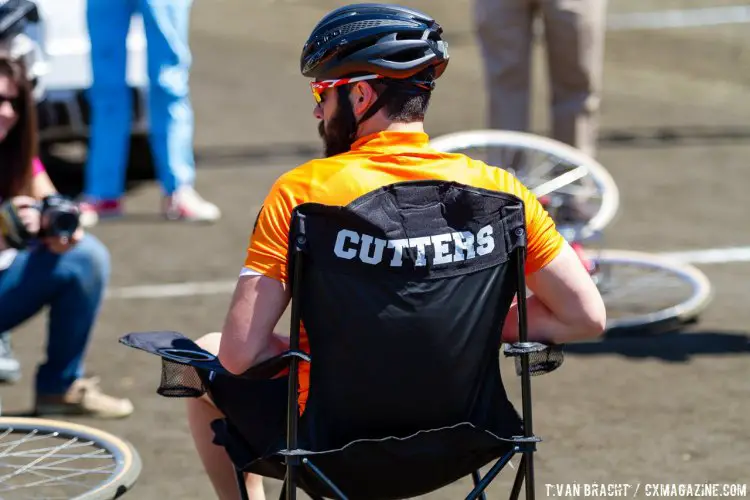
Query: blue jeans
pixel 73 285
pixel 166 25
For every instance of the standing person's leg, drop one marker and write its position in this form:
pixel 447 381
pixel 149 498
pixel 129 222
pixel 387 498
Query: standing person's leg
pixel 171 114
pixel 575 31
pixel 111 108
pixel 504 31
pixel 73 285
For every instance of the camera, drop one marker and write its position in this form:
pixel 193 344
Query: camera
pixel 60 216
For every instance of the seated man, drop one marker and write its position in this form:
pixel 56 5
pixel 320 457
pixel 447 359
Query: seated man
pixel 372 90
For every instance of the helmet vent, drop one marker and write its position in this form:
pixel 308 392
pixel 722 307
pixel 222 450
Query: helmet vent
pixel 361 25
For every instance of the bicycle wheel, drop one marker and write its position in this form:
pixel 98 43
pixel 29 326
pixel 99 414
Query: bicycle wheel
pixel 53 459
pixel 578 191
pixel 647 294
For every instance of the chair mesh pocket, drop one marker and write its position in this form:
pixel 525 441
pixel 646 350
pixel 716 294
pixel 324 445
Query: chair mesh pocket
pixel 543 358
pixel 180 381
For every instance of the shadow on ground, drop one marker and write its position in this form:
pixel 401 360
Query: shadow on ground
pixel 666 136
pixel 675 347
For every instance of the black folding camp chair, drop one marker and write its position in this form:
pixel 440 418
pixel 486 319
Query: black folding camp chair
pixel 403 295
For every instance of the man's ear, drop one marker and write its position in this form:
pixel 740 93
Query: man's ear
pixel 362 97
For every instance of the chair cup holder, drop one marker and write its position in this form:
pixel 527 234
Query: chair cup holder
pixel 543 358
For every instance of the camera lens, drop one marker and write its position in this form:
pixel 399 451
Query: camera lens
pixel 64 224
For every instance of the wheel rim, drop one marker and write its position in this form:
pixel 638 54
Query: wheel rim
pixel 42 461
pixel 641 290
pixel 582 204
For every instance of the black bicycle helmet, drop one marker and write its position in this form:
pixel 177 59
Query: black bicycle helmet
pixel 372 38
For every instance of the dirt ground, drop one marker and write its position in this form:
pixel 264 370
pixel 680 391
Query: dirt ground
pixel 676 138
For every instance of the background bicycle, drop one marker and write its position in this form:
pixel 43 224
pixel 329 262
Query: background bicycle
pixel 643 293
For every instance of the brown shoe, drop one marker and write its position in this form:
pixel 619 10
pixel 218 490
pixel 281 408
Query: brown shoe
pixel 84 397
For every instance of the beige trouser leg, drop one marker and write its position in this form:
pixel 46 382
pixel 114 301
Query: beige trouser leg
pixel 504 34
pixel 574 32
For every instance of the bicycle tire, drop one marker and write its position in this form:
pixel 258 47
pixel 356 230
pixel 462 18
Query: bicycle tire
pixel 457 141
pixel 128 460
pixel 665 319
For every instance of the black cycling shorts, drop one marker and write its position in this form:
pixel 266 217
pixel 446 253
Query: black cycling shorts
pixel 257 410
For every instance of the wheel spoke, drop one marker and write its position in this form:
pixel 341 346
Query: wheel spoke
pixel 47 481
pixel 36 461
pixel 560 182
pixel 44 462
pixel 547 167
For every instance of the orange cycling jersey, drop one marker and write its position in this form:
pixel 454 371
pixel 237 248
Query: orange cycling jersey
pixel 372 162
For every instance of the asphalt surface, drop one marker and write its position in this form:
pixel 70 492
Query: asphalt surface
pixel 675 137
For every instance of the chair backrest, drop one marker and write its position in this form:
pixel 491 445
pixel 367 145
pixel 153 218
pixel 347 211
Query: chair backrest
pixel 403 294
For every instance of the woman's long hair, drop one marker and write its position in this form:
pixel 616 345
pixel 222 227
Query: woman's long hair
pixel 19 148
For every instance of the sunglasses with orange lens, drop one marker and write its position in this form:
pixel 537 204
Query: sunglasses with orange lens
pixel 320 86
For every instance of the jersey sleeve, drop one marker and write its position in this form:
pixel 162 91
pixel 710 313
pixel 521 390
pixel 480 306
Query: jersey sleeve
pixel 268 245
pixel 544 241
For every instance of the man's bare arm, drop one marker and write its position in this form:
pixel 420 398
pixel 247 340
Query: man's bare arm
pixel 247 336
pixel 566 304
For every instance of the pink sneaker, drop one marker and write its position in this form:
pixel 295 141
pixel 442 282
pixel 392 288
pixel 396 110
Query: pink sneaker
pixel 186 204
pixel 94 210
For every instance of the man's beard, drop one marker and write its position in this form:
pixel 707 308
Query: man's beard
pixel 338 136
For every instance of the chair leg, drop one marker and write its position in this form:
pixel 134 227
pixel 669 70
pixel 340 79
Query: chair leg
pixel 338 494
pixel 241 484
pixel 520 475
pixel 530 493
pixel 476 477
pixel 490 476
pixel 282 496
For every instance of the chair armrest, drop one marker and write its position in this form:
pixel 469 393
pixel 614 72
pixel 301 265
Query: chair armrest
pixel 174 347
pixel 271 367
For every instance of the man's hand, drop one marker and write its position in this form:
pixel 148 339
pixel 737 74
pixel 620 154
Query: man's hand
pixel 60 245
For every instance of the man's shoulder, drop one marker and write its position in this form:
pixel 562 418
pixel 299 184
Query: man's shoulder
pixel 312 180
pixel 485 167
pixel 310 172
pixel 490 176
